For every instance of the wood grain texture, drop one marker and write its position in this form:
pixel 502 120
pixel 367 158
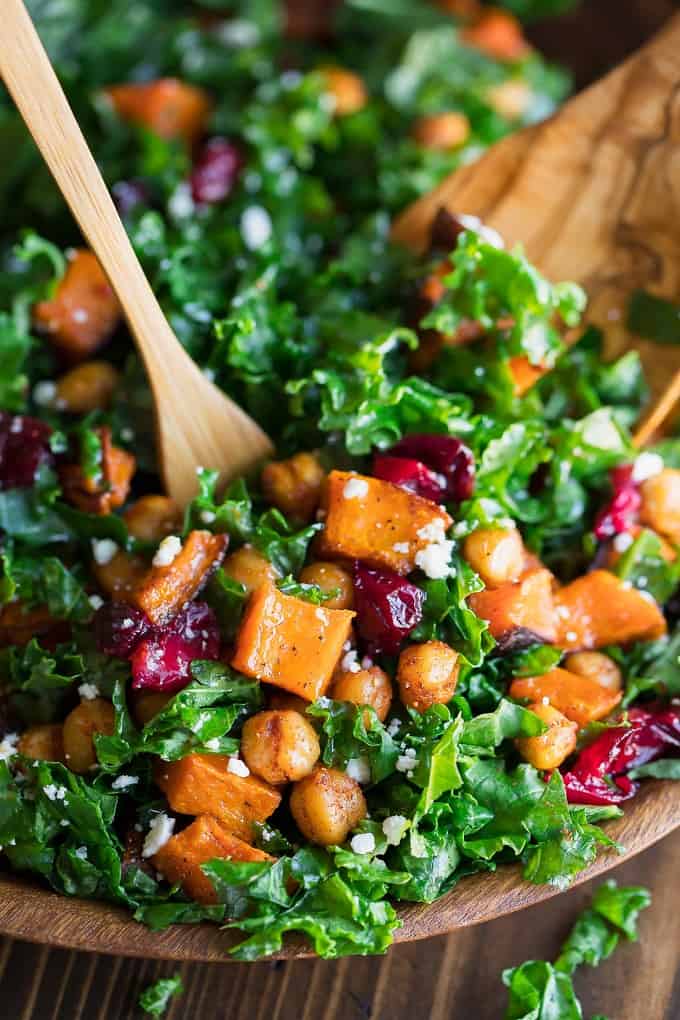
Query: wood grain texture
pixel 196 423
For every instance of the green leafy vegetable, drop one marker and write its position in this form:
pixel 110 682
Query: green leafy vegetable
pixel 155 999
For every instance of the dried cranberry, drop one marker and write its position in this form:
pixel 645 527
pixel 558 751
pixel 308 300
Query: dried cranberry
pixel 118 628
pixel 128 195
pixel 446 456
pixel 24 447
pixel 161 661
pixel 410 474
pixel 216 171
pixel 621 511
pixel 388 608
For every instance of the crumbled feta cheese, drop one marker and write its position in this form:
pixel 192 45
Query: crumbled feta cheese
pixel 238 767
pixel 643 581
pixel 103 550
pixel 320 615
pixel 401 547
pixel 363 843
pixel 124 782
pixel 207 516
pixel 394 828
pixel 394 727
pixel 646 465
pixel 355 488
pixel 54 792
pixel 213 744
pixel 160 831
pixel 623 542
pixel 256 227
pixel 407 762
pixel 571 635
pixel 45 393
pixel 167 551
pixel 181 203
pixel 127 434
pixel 239 33
pixel 88 692
pixel 359 769
pixel 81 852
pixel 8 746
pixel 434 559
pixel 96 601
pixel 349 662
pixel 545 700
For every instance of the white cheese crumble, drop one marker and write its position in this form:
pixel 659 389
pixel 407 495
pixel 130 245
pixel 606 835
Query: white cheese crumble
pixel 160 831
pixel 320 614
pixel 167 551
pixel 571 635
pixel 622 542
pixel 96 601
pixel 394 727
pixel 645 466
pixel 238 767
pixel 401 547
pixel 207 516
pixel 434 559
pixel 256 227
pixel 103 550
pixel 355 488
pixel 81 852
pixel 394 828
pixel 213 744
pixel 88 692
pixel 45 393
pixel 124 782
pixel 8 746
pixel 239 33
pixel 54 792
pixel 181 203
pixel 363 843
pixel 359 769
pixel 407 761
pixel 349 662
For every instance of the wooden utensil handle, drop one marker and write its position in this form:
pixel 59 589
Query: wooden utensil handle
pixel 32 83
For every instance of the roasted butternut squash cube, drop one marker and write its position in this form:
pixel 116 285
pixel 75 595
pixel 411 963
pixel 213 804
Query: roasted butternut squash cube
pixel 120 575
pixel 599 609
pixel 526 604
pixel 168 107
pixel 84 311
pixel 165 588
pixel 524 374
pixel 290 643
pixel 18 623
pixel 578 697
pixel 661 503
pixel 203 784
pixel 377 522
pixel 105 493
pixel 498 34
pixel 180 859
pixel 549 749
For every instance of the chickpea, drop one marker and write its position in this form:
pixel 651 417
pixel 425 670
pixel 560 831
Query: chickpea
pixel 43 743
pixel 80 726
pixel 331 577
pixel 147 704
pixel 250 568
pixel 497 555
pixel 327 805
pixel 151 518
pixel 120 575
pixel 427 674
pixel 294 485
pixel 510 98
pixel 279 746
pixel 597 667
pixel 441 130
pixel 550 749
pixel 87 387
pixel 347 89
pixel 370 687
pixel 278 699
pixel 661 503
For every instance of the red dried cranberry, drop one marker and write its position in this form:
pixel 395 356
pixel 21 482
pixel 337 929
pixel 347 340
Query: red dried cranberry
pixel 410 474
pixel 24 447
pixel 215 171
pixel 388 608
pixel 128 195
pixel 118 628
pixel 161 661
pixel 446 456
pixel 621 511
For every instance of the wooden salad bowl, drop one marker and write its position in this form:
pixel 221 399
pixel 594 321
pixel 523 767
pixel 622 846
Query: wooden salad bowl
pixel 594 195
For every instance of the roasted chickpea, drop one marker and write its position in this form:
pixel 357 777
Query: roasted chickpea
pixel 152 518
pixel 147 704
pixel 294 485
pixel 278 699
pixel 441 130
pixel 427 674
pixel 327 805
pixel 347 89
pixel 496 554
pixel 279 747
pixel 250 568
pixel 660 507
pixel 597 667
pixel 331 577
pixel 120 575
pixel 87 387
pixel 550 749
pixel 80 726
pixel 43 743
pixel 370 687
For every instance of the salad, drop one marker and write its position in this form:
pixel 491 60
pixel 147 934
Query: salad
pixel 438 632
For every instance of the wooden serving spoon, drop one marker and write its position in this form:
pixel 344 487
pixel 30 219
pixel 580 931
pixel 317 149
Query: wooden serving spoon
pixel 593 195
pixel 196 423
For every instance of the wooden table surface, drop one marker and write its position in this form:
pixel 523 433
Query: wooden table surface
pixel 452 978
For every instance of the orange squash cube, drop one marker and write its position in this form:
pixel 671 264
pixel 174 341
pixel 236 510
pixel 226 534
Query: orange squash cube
pixel 163 590
pixel 549 749
pixel 18 623
pixel 202 784
pixel 110 490
pixel 578 697
pixel 498 34
pixel 168 107
pixel 180 859
pixel 599 609
pixel 84 311
pixel 377 522
pixel 524 374
pixel 526 604
pixel 290 643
